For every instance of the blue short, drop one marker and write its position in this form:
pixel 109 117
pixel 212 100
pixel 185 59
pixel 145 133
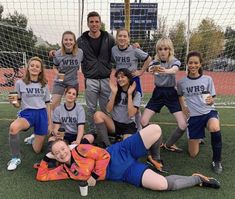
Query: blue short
pixel 124 165
pixel 37 118
pixel 164 96
pixel 197 125
pixel 138 85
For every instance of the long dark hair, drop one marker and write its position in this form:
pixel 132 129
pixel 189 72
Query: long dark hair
pixel 195 54
pixel 128 74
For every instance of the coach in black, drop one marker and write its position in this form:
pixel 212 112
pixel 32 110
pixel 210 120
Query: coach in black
pixel 96 65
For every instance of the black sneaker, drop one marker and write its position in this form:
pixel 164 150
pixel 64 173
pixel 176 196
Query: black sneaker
pixel 217 167
pixel 207 181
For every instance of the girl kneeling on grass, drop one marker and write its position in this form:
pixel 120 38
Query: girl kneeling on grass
pixel 202 114
pixel 34 101
pixel 119 162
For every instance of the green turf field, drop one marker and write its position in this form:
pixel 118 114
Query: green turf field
pixel 22 184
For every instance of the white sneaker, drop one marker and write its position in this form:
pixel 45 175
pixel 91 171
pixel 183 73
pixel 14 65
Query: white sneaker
pixel 13 163
pixel 30 139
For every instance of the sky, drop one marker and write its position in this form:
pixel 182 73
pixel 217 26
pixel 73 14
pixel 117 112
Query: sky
pixel 50 18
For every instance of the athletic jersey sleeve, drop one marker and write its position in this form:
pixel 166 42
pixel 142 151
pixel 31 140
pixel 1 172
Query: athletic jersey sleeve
pixel 47 174
pixel 17 88
pixel 47 97
pixel 179 88
pixel 81 115
pixel 176 62
pixel 140 54
pixel 101 157
pixel 211 87
pixel 56 116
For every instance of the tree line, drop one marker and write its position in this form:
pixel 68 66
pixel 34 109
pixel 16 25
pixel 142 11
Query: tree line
pixel 15 36
pixel 208 38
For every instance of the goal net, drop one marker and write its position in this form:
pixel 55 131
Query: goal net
pixel 12 66
pixel 33 28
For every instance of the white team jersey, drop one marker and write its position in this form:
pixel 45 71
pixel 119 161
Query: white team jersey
pixel 191 89
pixel 33 95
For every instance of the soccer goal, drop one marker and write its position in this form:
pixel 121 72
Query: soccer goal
pixel 32 28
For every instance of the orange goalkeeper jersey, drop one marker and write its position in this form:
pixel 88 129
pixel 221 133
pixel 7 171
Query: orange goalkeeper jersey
pixel 87 160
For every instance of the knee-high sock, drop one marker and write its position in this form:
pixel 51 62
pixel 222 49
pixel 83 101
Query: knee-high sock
pixel 155 149
pixel 216 143
pixel 176 182
pixel 14 142
pixel 102 133
pixel 137 120
pixel 174 137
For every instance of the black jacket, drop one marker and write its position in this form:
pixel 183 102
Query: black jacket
pixel 96 67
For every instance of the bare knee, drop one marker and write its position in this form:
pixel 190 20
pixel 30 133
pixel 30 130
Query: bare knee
pixel 98 117
pixel 182 125
pixel 214 129
pixel 193 154
pixel 89 137
pixel 37 150
pixel 13 129
pixel 154 131
pixel 143 121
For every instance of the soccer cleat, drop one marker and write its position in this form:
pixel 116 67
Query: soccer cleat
pixel 30 139
pixel 156 164
pixel 217 167
pixel 13 163
pixel 207 181
pixel 173 148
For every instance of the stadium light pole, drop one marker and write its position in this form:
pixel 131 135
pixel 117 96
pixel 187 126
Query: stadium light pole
pixel 127 14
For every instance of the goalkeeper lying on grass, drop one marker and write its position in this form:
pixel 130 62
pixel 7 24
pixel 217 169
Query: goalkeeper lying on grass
pixel 119 162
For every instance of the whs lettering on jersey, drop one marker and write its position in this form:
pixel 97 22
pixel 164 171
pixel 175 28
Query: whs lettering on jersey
pixel 35 92
pixel 70 62
pixel 195 90
pixel 122 59
pixel 69 120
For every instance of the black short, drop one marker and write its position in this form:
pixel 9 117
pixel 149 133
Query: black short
pixel 164 96
pixel 122 128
